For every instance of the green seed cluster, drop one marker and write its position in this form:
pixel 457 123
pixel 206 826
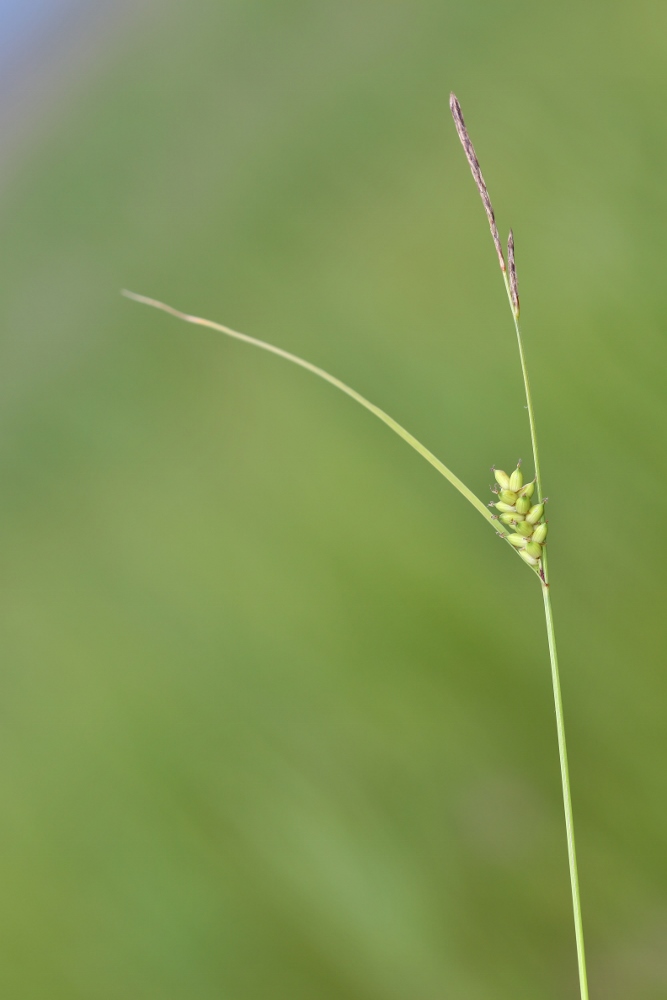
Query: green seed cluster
pixel 529 531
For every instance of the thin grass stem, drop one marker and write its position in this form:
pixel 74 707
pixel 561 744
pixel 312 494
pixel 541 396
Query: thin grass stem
pixel 526 383
pixel 555 678
pixel 567 798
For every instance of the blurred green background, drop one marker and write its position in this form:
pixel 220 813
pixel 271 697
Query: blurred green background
pixel 276 711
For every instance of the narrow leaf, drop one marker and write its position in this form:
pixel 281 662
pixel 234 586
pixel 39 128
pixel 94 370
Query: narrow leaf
pixel 389 421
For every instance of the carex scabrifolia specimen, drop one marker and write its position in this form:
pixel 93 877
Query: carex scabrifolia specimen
pixel 519 509
pixel 527 530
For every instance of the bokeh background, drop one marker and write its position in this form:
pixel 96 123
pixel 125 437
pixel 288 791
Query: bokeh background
pixel 276 711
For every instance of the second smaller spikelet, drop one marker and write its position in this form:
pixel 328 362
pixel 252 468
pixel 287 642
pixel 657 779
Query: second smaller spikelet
pixel 523 518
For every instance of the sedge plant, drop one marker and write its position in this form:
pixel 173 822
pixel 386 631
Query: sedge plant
pixel 517 515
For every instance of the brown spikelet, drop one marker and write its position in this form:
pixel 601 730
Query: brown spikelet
pixel 514 286
pixel 469 150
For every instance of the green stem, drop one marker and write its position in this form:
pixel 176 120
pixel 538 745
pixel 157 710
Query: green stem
pixel 567 798
pixel 555 678
pixel 529 398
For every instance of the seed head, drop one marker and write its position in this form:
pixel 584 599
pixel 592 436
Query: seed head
pixel 527 531
pixel 476 170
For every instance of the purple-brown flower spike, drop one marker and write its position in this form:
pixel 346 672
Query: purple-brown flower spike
pixel 471 156
pixel 514 287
